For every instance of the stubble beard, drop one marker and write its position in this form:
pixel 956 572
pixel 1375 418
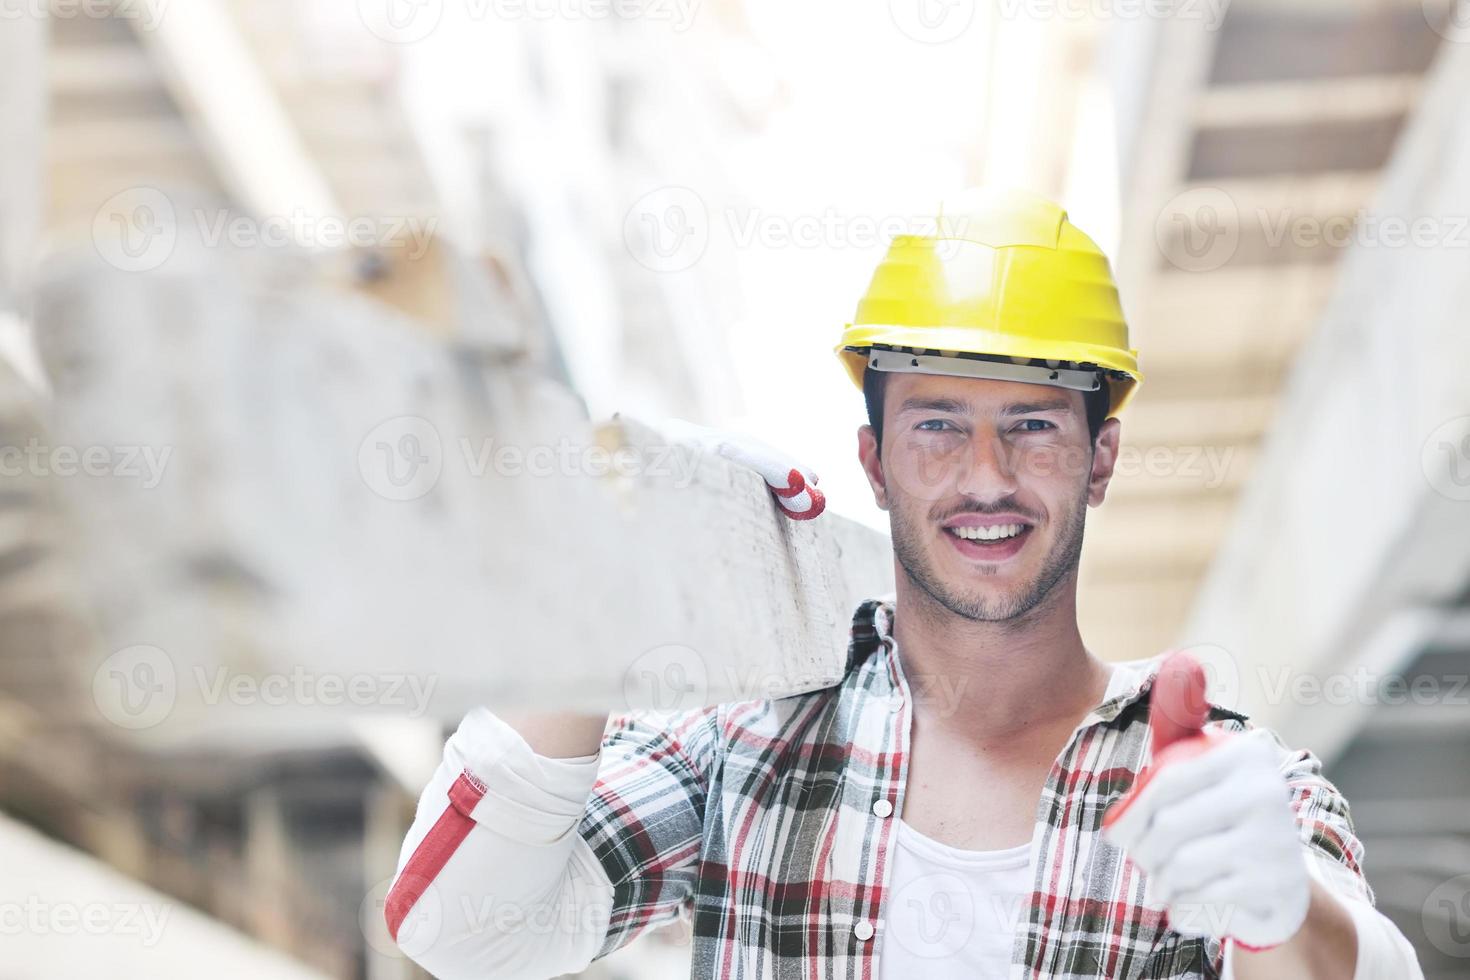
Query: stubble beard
pixel 1063 558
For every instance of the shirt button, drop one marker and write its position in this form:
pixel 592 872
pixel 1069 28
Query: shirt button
pixel 882 808
pixel 863 930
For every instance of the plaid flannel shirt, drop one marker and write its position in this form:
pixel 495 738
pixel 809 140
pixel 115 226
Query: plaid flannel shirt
pixel 771 823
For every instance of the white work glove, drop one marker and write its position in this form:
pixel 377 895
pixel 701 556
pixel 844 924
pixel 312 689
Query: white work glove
pixel 794 486
pixel 1216 835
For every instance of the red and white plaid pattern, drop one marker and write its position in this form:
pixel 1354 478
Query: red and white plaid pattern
pixel 758 819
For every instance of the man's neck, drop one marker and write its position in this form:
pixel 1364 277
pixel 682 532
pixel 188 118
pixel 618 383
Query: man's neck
pixel 990 682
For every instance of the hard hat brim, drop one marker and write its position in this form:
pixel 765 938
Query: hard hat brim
pixel 943 340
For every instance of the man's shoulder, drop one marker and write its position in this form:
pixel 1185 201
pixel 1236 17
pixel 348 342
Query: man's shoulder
pixel 762 726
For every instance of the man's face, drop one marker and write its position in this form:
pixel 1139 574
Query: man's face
pixel 987 485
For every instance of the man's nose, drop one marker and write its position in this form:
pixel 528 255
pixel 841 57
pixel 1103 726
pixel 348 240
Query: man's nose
pixel 991 474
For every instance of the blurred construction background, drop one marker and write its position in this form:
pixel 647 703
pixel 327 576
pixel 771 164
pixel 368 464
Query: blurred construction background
pixel 249 248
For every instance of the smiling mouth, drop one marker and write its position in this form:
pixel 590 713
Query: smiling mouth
pixel 999 532
pixel 993 543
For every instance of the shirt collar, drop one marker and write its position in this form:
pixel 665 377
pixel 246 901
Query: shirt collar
pixel 872 630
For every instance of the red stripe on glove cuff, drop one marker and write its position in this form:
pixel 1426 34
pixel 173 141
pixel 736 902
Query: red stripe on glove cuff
pixel 434 851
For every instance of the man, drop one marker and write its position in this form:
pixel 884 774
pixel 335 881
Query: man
pixel 941 809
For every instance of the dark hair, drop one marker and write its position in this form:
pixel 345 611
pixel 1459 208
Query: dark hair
pixel 875 381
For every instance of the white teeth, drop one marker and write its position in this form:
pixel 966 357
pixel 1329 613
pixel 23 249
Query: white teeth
pixel 995 533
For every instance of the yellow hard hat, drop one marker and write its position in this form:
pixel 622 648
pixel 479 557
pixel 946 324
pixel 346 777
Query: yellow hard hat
pixel 1007 287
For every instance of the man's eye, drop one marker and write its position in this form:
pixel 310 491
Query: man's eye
pixel 933 425
pixel 1036 425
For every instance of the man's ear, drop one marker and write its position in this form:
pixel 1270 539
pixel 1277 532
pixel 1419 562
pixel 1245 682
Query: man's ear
pixel 872 465
pixel 1104 458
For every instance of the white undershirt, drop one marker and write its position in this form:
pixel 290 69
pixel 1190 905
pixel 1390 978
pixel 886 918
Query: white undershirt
pixel 953 913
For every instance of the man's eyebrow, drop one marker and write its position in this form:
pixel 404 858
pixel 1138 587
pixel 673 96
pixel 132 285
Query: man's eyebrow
pixel 1029 408
pixel 952 405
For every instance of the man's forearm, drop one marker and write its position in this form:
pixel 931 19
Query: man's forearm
pixel 561 734
pixel 1325 948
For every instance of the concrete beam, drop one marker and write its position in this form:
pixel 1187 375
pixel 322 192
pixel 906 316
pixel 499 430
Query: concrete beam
pixel 217 81
pixel 1307 100
pixel 1356 517
pixel 22 125
pixel 80 918
pixel 354 519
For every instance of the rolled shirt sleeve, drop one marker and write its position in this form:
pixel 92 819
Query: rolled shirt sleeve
pixel 645 820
